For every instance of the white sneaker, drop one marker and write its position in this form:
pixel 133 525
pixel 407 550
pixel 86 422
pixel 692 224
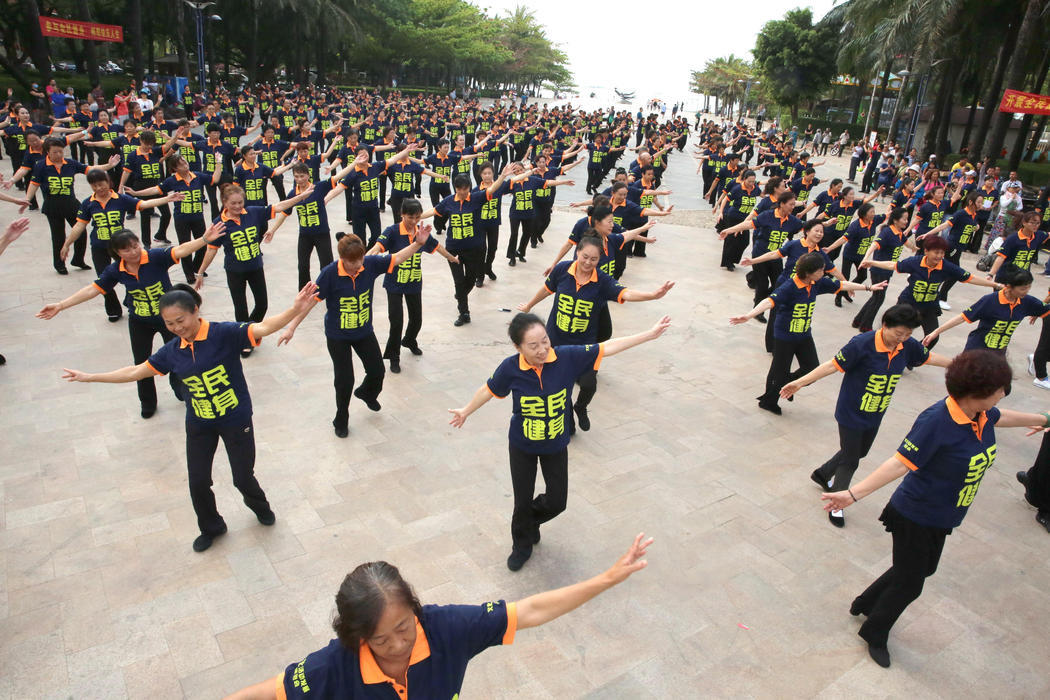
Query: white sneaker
pixel 945 306
pixel 1031 365
pixel 1042 383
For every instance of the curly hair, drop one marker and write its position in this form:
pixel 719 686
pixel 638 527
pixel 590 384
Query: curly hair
pixel 977 374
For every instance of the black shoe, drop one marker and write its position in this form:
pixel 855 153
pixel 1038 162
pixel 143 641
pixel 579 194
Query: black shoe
pixel 461 320
pixel 761 318
pixel 414 348
pixel 881 655
pixel 838 300
pixel 848 298
pixel 512 262
pixel 371 403
pixel 533 244
pixel 1022 478
pixel 267 518
pixel 641 255
pixel 816 479
pixel 162 241
pixel 113 318
pixel 521 257
pixel 837 520
pixel 204 540
pixel 1043 518
pixel 856 323
pixel 62 270
pixel 750 279
pixel 341 428
pixel 3 360
pixel 540 239
pixel 582 419
pixel 479 282
pixel 536 535
pixel 395 365
pixel 771 407
pixel 247 352
pixel 492 275
pixel 148 411
pixel 517 558
pixel 855 609
pixel 81 266
pixel 729 267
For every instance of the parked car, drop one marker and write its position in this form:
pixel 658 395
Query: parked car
pixel 111 68
pixel 67 66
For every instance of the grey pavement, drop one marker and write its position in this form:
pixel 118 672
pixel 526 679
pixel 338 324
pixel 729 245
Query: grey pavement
pixel 747 589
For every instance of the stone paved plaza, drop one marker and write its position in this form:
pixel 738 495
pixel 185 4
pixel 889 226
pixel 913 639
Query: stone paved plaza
pixel 748 585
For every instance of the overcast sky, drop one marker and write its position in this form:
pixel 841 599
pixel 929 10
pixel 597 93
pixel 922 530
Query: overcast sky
pixel 655 45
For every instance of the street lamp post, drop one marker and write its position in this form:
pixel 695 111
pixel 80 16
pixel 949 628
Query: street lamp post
pixel 903 74
pixel 198 7
pixel 920 95
pixel 871 105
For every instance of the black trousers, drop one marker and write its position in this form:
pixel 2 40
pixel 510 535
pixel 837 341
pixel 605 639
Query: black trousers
pixel 396 303
pixel 865 318
pixel 213 197
pixel 307 244
pixel 437 193
pixel 465 273
pixel 1042 351
pixel 765 276
pixel 854 445
pixel 395 205
pixel 201 443
pixel 278 187
pixel 348 198
pixel 100 260
pixel 367 350
pixel 978 235
pixel 1037 492
pixel 588 382
pixel 366 219
pixel 916 553
pixel 853 163
pixel 529 512
pixel 185 231
pixel 733 246
pixel 784 353
pixel 929 315
pixel 491 231
pixel 594 178
pixel 868 181
pixel 543 220
pixel 62 212
pixel 847 268
pixel 516 247
pixel 141 335
pixel 953 256
pixel 145 224
pixel 238 282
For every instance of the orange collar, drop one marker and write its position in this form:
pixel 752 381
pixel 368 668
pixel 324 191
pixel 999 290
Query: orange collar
pixel 456 198
pixel 800 284
pixel 1020 234
pixel 343 273
pixel 404 231
pixel 188 179
pixel 143 259
pixel 372 674
pixel 145 154
pixel 361 169
pixel 960 417
pixel 880 345
pixel 112 195
pixel 923 264
pixel 1003 300
pixel 47 159
pixel 236 218
pixel 525 366
pixel 593 277
pixel 202 334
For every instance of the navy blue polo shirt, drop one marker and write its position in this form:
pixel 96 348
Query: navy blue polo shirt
pixel 363 183
pixel 542 421
pixel 626 214
pixel 253 181
pixel 888 246
pixel 574 313
pixel 406 278
pixel 871 370
pixel 403 177
pixel 947 454
pixel 772 232
pixel 442 165
pixel 208 152
pixel 523 204
pixel 792 251
pixel 765 203
pixel 611 244
pixel 825 201
pixel 192 207
pixel 964 226
pixel 924 282
pixel 794 301
pixel 860 237
pixel 741 201
pixel 492 212
pixel 997 319
pixel 18 133
pixel 144 289
pixel 56 179
pixel 1018 252
pixel 106 216
pixel 801 188
pixel 464 216
pixel 210 368
pixel 839 216
pixel 348 298
pixel 447 638
pixel 931 216
pixel 270 153
pixel 145 165
pixel 243 235
pixel 313 216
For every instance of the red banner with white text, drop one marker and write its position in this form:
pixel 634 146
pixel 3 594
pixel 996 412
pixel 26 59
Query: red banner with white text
pixel 90 31
pixel 1024 103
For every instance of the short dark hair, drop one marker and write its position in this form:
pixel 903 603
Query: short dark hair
pixel 1017 278
pixel 519 324
pixel 120 240
pixel 590 237
pixel 934 243
pixel 977 374
pixel 808 264
pixel 181 295
pixel 363 596
pixel 411 207
pixel 96 175
pixel 785 197
pixel 901 315
pixel 617 186
pixel 212 126
pixel 300 168
pixel 461 182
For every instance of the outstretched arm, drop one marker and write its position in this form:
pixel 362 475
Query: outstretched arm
pixel 480 398
pixel 618 345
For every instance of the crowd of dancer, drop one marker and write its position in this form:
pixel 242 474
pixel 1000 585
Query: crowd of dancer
pixel 209 171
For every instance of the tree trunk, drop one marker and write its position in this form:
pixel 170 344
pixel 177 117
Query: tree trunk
pixel 20 77
pixel 90 54
pixel 858 95
pixel 1026 122
pixel 180 43
pixel 945 126
pixel 209 53
pixel 895 118
pixel 38 48
pixel 930 141
pixel 251 57
pixel 876 113
pixel 1015 72
pixel 991 98
pixel 1040 127
pixel 226 53
pixel 971 117
pixel 322 50
pixel 134 26
pixel 151 58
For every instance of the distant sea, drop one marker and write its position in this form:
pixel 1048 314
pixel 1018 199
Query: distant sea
pixel 605 97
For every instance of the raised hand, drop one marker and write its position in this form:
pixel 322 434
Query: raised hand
pixel 632 561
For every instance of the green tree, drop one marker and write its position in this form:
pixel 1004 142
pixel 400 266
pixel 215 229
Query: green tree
pixel 791 57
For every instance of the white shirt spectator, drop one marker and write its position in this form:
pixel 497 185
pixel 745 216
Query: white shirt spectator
pixel 146 103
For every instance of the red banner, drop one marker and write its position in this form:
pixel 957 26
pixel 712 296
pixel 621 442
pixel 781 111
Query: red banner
pixel 1024 103
pixel 90 31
